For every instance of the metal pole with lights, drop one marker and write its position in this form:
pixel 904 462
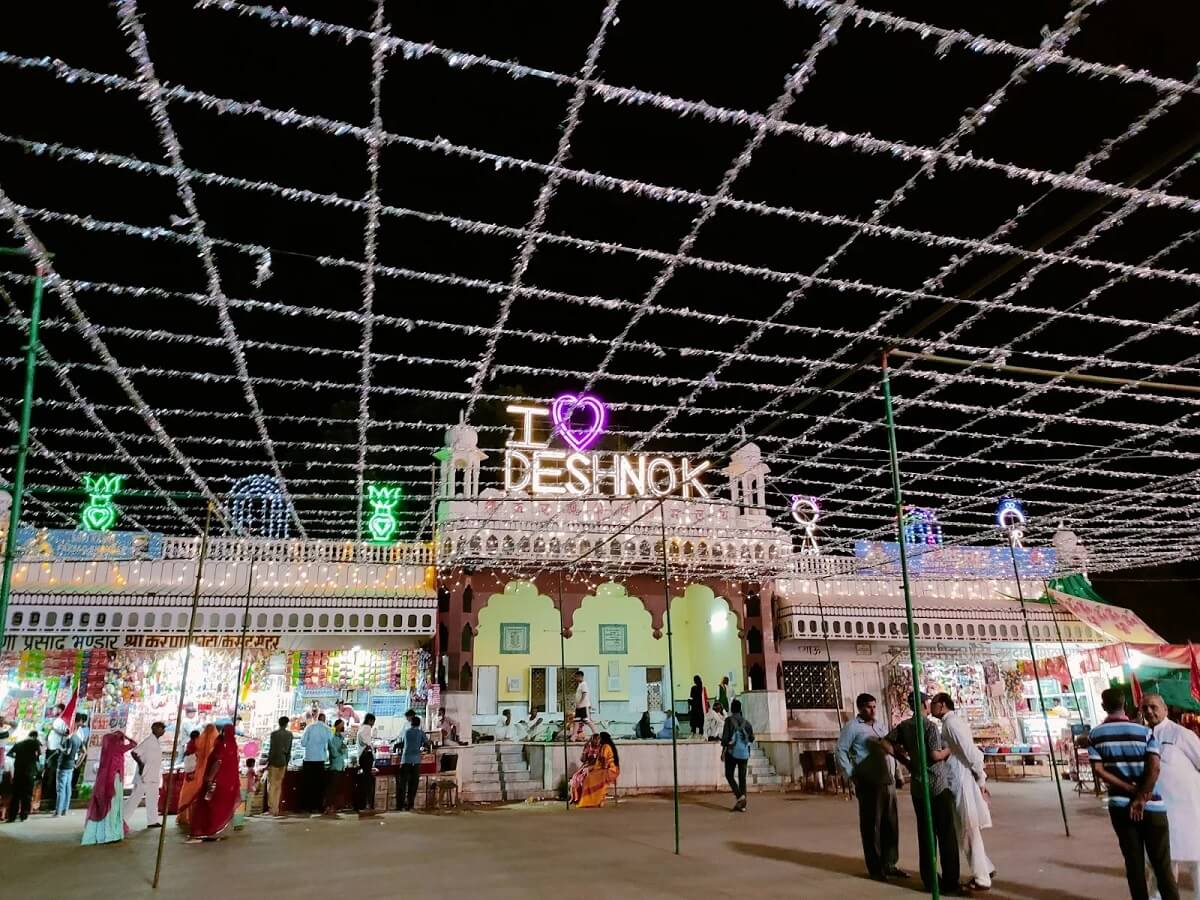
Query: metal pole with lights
pixel 18 495
pixel 187 659
pixel 922 760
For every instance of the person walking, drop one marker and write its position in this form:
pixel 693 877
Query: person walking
pixel 697 706
pixel 279 754
pixel 1125 755
pixel 971 795
pixel 148 780
pixel 70 757
pixel 27 760
pixel 84 733
pixel 105 821
pixel 735 751
pixel 863 762
pixel 413 740
pixel 583 706
pixel 902 743
pixel 1179 784
pixel 315 741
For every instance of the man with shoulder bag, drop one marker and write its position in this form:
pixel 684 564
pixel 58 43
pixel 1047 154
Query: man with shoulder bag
pixel 735 751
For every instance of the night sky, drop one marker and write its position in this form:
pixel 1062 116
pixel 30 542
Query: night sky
pixel 457 313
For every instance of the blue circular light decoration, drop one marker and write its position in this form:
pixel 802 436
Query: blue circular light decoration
pixel 1010 514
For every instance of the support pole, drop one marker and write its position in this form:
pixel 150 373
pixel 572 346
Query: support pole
pixel 562 680
pixel 237 685
pixel 1037 680
pixel 14 516
pixel 1062 646
pixel 918 700
pixel 187 659
pixel 671 677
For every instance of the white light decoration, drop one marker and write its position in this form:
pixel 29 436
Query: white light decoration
pixel 1010 518
pixel 258 507
pixel 806 512
pixel 958 458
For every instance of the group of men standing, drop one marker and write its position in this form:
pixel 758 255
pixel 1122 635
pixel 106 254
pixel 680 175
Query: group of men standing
pixel 957 788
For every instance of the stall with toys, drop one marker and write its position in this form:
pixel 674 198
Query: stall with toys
pixel 131 687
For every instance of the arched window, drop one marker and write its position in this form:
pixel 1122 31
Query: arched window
pixel 443 637
pixel 970 631
pixel 757 677
pixel 443 600
pixel 464 677
pixel 426 620
pixel 753 606
pixel 412 620
pixel 468 599
pixel 754 641
pixel 466 638
pixel 858 629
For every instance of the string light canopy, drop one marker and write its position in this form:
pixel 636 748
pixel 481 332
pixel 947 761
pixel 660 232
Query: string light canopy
pixel 281 290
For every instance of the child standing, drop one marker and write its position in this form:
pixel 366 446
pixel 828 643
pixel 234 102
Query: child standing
pixel 249 781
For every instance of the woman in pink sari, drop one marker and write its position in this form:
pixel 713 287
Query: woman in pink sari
pixel 220 793
pixel 587 760
pixel 105 822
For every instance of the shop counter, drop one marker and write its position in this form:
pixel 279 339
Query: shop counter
pixel 342 785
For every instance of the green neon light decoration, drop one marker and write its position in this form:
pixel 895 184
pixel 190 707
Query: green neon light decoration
pixel 382 523
pixel 99 514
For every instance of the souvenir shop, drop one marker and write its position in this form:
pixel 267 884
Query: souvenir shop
pixel 137 683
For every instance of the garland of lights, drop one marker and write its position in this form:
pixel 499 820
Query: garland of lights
pixel 1169 537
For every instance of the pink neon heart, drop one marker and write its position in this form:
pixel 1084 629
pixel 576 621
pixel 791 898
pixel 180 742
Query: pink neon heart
pixel 561 411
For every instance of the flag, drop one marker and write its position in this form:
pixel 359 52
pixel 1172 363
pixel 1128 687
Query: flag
pixel 69 713
pixel 1194 653
pixel 1136 687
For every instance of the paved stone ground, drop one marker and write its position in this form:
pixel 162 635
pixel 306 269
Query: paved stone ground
pixel 787 845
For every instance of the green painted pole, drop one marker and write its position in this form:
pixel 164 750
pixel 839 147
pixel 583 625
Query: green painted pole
pixel 1062 804
pixel 919 708
pixel 562 683
pixel 671 678
pixel 14 516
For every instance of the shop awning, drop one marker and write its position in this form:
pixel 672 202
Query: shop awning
pixel 1118 623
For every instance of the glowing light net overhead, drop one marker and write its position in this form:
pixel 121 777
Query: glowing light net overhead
pixel 308 265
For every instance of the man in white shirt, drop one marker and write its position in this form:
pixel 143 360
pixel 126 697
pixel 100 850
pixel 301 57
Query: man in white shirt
pixel 55 736
pixel 366 735
pixel 1179 784
pixel 714 722
pixel 532 725
pixel 969 784
pixel 447 726
pixel 148 780
pixel 583 706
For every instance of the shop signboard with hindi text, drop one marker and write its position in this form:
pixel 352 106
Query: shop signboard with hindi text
pixel 1115 621
pixel 87 546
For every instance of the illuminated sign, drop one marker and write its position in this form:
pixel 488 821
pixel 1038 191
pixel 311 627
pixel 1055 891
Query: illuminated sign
pixel 382 523
pixel 579 420
pixel 921 526
pixel 99 514
pixel 1010 518
pixel 806 511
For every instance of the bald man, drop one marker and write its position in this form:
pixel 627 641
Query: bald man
pixel 1179 782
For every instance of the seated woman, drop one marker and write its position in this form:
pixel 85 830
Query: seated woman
pixel 605 770
pixel 213 809
pixel 644 730
pixel 591 753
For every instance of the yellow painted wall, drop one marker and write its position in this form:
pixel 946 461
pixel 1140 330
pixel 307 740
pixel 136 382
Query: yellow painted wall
pixel 701 650
pixel 696 643
pixel 520 602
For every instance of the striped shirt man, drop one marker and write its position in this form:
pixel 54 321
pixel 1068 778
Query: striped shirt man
pixel 1121 746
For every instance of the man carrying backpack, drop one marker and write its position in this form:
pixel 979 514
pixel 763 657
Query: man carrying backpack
pixel 735 750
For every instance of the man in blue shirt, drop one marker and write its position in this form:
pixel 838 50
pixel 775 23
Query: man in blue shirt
pixel 861 758
pixel 1125 756
pixel 315 742
pixel 411 743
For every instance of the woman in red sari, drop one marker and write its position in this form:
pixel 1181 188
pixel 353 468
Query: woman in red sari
pixel 191 790
pixel 213 810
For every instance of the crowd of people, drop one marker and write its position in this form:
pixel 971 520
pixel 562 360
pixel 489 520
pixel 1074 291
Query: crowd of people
pixel 1151 772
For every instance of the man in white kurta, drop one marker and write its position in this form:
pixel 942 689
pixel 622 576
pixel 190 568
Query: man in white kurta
pixel 970 789
pixel 148 780
pixel 1179 783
